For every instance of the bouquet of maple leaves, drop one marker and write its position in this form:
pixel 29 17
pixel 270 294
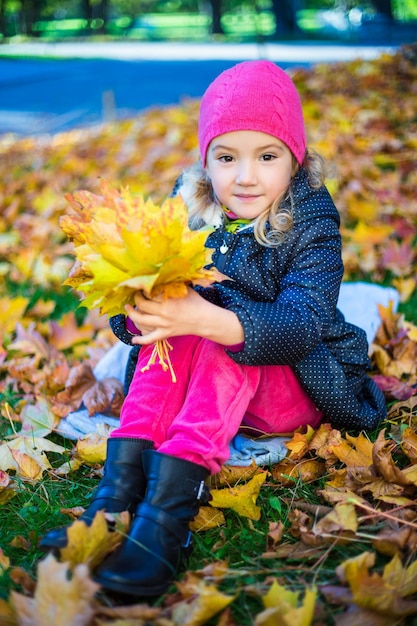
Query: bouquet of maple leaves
pixel 124 243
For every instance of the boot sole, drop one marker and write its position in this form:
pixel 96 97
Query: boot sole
pixel 131 589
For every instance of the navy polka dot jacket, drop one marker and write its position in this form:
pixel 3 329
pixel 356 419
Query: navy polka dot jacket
pixel 285 298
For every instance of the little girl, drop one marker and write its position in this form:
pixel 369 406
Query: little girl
pixel 265 349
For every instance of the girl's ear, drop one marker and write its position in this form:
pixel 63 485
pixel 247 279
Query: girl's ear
pixel 295 166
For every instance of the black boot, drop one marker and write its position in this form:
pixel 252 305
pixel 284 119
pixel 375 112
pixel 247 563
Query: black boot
pixel 121 489
pixel 150 557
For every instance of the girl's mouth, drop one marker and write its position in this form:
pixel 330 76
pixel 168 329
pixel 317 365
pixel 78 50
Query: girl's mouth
pixel 246 197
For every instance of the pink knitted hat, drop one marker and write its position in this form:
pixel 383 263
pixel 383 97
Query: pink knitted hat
pixel 253 95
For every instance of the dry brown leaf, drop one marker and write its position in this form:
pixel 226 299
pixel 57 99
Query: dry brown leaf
pixel 80 379
pixel 274 535
pixel 384 463
pixel 391 541
pixel 229 475
pixel 123 614
pixel 66 333
pixel 104 396
pixel 288 473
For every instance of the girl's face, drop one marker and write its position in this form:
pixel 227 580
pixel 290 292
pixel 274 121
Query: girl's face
pixel 249 170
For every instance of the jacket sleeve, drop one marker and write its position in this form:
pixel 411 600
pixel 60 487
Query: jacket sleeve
pixel 118 326
pixel 285 330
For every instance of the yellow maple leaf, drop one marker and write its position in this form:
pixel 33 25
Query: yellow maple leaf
pixel 240 498
pixel 91 449
pixel 206 601
pixel 411 330
pixel 368 235
pixel 383 594
pixel 124 243
pixel 405 287
pixel 90 544
pixel 282 607
pixel 59 598
pixel 11 312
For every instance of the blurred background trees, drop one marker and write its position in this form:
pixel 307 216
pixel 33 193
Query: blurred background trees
pixel 156 19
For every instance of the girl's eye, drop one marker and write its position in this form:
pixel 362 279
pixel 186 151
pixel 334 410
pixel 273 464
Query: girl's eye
pixel 225 158
pixel 268 157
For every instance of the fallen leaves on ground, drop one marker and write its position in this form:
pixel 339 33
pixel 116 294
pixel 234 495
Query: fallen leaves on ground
pixel 361 116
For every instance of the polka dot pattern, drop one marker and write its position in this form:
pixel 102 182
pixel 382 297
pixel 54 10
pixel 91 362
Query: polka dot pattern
pixel 285 298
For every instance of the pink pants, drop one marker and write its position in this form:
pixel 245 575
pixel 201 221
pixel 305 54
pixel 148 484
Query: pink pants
pixel 196 417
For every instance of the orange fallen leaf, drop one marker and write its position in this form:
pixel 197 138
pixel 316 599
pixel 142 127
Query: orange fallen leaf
pixel 207 517
pixel 288 473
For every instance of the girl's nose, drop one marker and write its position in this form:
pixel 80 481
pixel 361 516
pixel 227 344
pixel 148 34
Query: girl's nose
pixel 246 174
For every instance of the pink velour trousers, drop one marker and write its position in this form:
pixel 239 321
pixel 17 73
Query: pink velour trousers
pixel 196 417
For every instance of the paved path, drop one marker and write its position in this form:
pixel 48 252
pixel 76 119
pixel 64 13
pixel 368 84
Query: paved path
pixel 300 52
pixel 52 87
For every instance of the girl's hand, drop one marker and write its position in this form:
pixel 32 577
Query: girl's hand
pixel 159 319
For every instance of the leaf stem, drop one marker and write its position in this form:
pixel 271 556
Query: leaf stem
pixel 161 352
pixel 374 513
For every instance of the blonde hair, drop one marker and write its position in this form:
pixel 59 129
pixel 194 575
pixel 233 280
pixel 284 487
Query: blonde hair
pixel 269 227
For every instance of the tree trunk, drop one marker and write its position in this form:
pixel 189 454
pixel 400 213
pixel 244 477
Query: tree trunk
pixel 384 7
pixel 31 10
pixel 102 13
pixel 285 12
pixel 87 10
pixel 216 13
pixel 2 17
